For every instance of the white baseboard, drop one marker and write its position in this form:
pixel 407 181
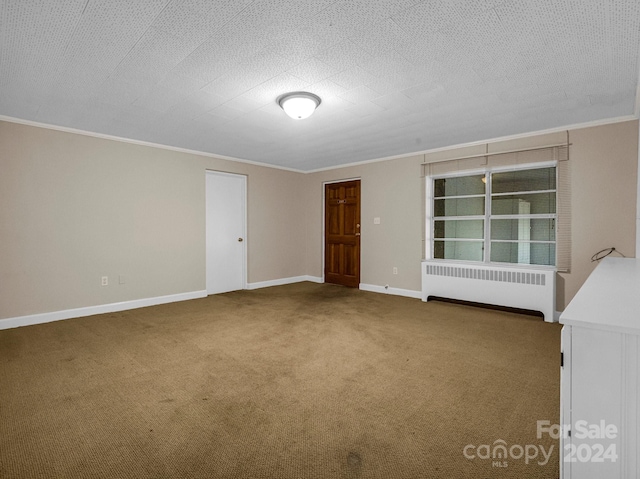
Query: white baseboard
pixel 281 281
pixel 409 293
pixel 29 320
pixel 32 319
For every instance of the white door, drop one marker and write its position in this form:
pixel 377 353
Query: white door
pixel 226 229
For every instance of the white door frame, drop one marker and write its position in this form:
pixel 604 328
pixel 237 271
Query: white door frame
pixel 244 225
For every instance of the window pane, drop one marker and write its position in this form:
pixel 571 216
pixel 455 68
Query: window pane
pixel 463 250
pixel 521 204
pixel 542 253
pixel 524 229
pixel 524 253
pixel 459 207
pixel 459 186
pixel 524 180
pixel 472 229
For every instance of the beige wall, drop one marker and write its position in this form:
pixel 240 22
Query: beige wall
pixel 604 163
pixel 604 172
pixel 74 208
pixel 392 191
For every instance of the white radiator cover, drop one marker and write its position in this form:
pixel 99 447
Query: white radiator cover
pixel 511 286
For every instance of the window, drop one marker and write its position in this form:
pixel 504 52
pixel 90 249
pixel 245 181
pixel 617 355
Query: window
pixel 498 217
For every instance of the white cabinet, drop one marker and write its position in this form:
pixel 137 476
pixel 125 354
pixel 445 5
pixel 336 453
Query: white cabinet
pixel 600 406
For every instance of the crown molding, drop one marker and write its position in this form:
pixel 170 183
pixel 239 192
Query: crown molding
pixel 574 126
pixel 142 143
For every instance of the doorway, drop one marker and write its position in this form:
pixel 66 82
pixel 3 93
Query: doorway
pixel 226 213
pixel 342 233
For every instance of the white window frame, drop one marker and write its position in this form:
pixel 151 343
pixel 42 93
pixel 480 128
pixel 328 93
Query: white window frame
pixel 429 223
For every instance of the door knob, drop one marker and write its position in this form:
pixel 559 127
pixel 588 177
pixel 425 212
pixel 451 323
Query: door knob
pixel 240 240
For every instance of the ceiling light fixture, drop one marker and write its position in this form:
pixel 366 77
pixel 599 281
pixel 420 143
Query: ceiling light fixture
pixel 299 104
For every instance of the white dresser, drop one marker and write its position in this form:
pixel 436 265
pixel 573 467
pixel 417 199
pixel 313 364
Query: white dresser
pixel 600 388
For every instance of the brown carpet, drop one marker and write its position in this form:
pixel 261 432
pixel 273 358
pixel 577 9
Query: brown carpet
pixel 298 381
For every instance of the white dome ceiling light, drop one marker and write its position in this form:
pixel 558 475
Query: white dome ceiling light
pixel 299 105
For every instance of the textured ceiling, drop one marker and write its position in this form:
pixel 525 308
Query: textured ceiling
pixel 395 76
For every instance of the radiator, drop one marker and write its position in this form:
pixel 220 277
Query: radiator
pixel 514 287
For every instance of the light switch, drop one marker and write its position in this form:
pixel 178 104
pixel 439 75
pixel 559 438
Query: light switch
pixel 376 221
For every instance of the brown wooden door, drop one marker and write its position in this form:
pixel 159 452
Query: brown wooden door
pixel 342 233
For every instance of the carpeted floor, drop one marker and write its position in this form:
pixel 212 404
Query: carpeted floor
pixel 298 381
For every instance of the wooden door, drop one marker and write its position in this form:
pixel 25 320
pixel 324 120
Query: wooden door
pixel 342 233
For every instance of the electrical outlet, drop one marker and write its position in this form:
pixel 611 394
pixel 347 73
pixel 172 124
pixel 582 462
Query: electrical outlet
pixel 105 281
pixel 376 220
pixel 395 270
pixel 122 279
